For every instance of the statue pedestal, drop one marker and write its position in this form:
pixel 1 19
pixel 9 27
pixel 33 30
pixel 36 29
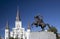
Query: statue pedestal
pixel 42 35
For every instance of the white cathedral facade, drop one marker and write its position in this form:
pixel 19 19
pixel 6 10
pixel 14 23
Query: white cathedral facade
pixel 18 31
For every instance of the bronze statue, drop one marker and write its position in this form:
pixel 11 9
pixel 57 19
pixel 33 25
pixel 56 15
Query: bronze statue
pixel 39 22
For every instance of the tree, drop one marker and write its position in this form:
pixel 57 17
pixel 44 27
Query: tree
pixel 53 29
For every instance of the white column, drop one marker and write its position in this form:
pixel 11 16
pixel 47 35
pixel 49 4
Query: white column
pixel 28 33
pixel 6 34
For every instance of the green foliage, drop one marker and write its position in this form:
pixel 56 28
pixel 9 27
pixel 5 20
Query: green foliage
pixel 21 38
pixel 59 37
pixel 11 38
pixel 53 29
pixel 16 38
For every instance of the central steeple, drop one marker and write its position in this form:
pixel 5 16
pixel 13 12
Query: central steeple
pixel 17 17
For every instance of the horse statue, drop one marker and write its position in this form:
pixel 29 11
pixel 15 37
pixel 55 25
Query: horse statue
pixel 39 22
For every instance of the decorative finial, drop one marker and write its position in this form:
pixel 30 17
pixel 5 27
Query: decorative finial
pixel 28 25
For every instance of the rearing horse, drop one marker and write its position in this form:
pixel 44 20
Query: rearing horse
pixel 39 22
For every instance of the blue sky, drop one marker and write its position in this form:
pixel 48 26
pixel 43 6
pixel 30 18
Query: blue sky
pixel 49 9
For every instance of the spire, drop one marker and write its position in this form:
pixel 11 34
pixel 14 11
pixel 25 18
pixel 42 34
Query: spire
pixel 29 25
pixel 7 27
pixel 17 17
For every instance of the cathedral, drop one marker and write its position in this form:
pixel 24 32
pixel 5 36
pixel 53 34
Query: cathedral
pixel 18 31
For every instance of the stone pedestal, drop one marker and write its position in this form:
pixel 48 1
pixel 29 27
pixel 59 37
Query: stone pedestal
pixel 42 35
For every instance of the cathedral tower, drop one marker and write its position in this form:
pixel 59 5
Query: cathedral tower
pixel 18 23
pixel 28 31
pixel 7 33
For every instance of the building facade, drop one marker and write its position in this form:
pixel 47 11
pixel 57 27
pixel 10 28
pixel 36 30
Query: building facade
pixel 18 31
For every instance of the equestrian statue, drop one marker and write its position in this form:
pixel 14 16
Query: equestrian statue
pixel 39 22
